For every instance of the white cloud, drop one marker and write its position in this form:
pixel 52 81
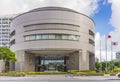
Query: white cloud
pixel 87 7
pixel 115 22
pixel 115 34
pixel 103 55
pixel 101 41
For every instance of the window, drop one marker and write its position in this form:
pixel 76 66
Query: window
pixel 12 42
pixel 58 36
pixel 32 37
pixel 65 37
pixel 52 36
pixel 44 36
pixel 76 37
pixel 38 37
pixel 91 33
pixel 91 42
pixel 71 37
pixel 27 38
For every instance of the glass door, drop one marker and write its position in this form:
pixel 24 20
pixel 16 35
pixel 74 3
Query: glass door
pixel 52 63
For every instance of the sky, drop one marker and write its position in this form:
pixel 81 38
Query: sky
pixel 105 14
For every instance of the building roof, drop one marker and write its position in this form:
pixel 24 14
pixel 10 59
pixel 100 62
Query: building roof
pixel 53 8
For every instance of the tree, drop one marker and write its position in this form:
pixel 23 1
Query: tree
pixel 7 55
pixel 97 66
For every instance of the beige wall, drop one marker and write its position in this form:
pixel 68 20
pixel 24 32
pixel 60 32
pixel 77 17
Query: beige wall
pixel 73 61
pixel 76 23
pixel 2 66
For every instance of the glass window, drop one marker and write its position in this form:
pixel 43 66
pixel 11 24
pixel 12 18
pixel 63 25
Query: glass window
pixel 71 37
pixel 32 37
pixel 76 37
pixel 58 36
pixel 44 36
pixel 51 36
pixel 27 38
pixel 38 37
pixel 65 37
pixel 91 33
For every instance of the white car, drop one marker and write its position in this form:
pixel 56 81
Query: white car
pixel 118 74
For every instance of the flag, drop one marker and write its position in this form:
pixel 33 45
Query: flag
pixel 109 36
pixel 114 43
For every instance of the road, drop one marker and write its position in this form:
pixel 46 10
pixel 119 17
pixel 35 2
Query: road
pixel 60 78
pixel 62 81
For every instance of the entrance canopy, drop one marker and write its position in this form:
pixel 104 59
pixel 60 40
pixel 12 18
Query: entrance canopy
pixel 52 52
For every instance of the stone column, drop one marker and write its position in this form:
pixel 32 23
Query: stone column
pixel 92 61
pixel 83 60
pixel 29 62
pixel 73 61
pixel 19 65
pixel 25 61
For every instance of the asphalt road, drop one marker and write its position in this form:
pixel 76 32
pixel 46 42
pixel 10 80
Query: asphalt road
pixel 64 81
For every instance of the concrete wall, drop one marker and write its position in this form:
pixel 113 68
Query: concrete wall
pixel 60 20
pixel 73 61
pixel 41 17
pixel 25 61
pixel 2 66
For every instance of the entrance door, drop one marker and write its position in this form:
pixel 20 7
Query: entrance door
pixel 52 63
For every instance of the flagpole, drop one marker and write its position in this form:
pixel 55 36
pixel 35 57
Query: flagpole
pixel 100 56
pixel 111 56
pixel 106 51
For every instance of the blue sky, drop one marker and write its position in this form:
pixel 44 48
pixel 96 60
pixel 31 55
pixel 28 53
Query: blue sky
pixel 102 18
pixel 107 23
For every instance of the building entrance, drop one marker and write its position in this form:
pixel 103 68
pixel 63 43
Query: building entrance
pixel 51 63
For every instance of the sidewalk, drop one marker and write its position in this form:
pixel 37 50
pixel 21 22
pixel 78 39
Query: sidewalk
pixel 58 77
pixel 97 77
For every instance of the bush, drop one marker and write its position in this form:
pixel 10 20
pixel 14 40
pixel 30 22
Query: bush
pixel 40 73
pixel 13 74
pixel 73 71
pixel 88 73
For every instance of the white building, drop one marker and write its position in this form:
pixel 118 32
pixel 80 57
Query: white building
pixel 5 21
pixel 49 38
pixel 118 55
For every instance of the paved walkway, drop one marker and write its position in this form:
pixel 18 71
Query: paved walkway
pixel 58 77
pixel 97 77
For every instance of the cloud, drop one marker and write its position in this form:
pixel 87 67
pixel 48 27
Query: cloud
pixel 101 41
pixel 114 21
pixel 87 7
pixel 115 34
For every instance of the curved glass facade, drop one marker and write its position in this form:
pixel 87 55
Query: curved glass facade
pixel 51 37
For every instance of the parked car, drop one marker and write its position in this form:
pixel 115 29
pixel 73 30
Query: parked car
pixel 118 74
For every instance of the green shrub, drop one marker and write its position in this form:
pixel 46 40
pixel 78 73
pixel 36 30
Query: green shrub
pixel 13 74
pixel 40 73
pixel 89 73
pixel 73 71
